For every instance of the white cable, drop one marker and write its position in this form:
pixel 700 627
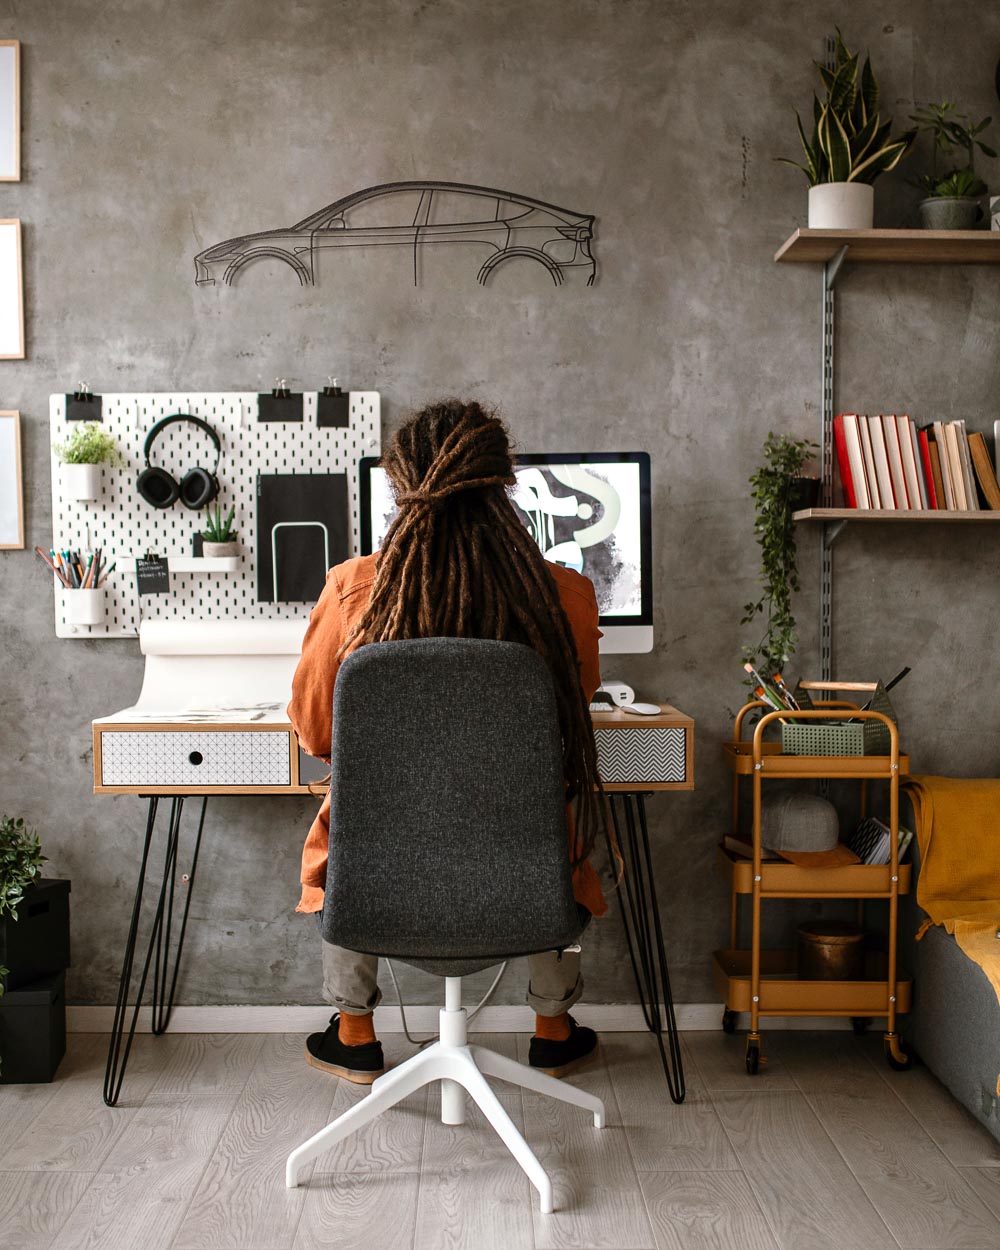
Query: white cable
pixel 426 1041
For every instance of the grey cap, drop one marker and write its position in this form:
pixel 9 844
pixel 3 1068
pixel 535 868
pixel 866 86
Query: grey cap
pixel 802 823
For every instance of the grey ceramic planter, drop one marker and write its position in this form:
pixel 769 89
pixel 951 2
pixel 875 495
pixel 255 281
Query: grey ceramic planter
pixel 949 212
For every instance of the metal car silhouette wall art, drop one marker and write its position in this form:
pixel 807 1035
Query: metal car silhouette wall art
pixel 499 226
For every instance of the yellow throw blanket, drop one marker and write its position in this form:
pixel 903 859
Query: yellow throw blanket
pixel 958 829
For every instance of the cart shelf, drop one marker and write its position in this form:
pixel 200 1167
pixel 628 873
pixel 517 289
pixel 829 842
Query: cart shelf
pixel 783 994
pixel 787 880
pixel 774 763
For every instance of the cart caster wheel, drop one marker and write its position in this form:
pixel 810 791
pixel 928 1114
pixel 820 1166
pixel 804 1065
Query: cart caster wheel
pixel 753 1057
pixel 861 1024
pixel 729 1021
pixel 896 1054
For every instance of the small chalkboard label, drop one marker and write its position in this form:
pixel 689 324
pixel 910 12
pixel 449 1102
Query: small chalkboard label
pixel 279 407
pixel 152 575
pixel 83 406
pixel 333 411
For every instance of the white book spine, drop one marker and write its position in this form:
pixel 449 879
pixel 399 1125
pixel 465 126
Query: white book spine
pixel 971 494
pixel 895 462
pixel 866 451
pixel 955 464
pixel 877 436
pixel 909 463
pixel 856 460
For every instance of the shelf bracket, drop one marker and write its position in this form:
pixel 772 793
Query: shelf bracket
pixel 833 266
pixel 831 532
pixel 827 399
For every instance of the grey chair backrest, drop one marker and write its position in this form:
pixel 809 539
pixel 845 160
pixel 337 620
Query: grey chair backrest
pixel 448 842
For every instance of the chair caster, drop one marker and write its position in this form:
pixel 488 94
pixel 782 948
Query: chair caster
pixel 728 1021
pixel 754 1057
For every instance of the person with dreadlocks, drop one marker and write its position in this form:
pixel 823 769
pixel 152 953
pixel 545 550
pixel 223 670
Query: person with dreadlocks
pixel 456 562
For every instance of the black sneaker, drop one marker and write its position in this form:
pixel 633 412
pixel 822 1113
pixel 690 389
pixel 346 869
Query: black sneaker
pixel 558 1058
pixel 360 1064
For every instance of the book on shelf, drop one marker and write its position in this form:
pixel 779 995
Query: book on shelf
pixel 985 473
pixel 871 841
pixel 895 462
pixel 868 456
pixel 906 448
pixel 851 460
pixel 932 473
pixel 887 497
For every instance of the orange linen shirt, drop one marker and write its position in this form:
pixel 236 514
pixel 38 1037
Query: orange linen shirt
pixel 340 606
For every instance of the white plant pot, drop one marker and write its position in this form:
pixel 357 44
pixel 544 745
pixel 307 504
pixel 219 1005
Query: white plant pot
pixel 82 482
pixel 841 206
pixel 211 550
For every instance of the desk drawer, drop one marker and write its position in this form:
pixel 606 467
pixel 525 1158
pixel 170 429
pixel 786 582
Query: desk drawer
pixel 195 758
pixel 641 754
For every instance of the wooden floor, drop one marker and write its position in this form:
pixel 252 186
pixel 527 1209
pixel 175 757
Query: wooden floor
pixel 827 1148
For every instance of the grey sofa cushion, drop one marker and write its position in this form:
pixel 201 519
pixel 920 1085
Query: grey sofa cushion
pixel 448 844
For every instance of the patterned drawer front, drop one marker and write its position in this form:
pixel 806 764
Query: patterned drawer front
pixel 195 759
pixel 641 754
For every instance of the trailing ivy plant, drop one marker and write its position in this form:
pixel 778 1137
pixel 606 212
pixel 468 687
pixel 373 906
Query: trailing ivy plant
pixel 849 142
pixel 20 859
pixel 773 495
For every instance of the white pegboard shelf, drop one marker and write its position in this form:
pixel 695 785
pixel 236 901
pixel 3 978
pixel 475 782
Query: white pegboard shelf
pixel 119 521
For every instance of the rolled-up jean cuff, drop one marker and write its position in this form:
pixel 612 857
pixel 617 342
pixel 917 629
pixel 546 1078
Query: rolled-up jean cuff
pixel 350 980
pixel 554 984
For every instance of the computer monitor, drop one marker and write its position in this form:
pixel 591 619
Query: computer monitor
pixel 589 511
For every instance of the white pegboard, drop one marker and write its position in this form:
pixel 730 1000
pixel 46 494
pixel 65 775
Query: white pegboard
pixel 125 526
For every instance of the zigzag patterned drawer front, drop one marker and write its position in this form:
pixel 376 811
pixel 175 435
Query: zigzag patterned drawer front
pixel 195 759
pixel 645 754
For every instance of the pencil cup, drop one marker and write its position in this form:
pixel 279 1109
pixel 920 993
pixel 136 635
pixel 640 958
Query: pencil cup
pixel 85 607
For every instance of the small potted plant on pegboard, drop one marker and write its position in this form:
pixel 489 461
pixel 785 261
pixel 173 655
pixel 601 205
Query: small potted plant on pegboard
pixel 218 537
pixel 34 956
pixel 82 454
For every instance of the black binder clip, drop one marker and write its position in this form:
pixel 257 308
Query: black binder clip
pixel 333 407
pixel 83 404
pixel 281 404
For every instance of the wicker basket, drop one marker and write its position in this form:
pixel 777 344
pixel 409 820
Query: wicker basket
pixel 864 737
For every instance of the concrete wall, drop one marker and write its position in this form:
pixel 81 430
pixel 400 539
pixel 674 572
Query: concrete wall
pixel 154 129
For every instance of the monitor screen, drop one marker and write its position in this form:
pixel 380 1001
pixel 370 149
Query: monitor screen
pixel 589 511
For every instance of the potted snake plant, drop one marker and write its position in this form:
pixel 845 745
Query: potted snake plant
pixel 850 145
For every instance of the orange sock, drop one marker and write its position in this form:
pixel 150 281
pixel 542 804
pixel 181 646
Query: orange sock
pixel 552 1028
pixel 356 1030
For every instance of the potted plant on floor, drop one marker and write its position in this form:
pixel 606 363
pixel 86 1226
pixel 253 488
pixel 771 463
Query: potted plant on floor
pixel 34 953
pixel 218 536
pixel 953 195
pixel 88 447
pixel 779 489
pixel 849 148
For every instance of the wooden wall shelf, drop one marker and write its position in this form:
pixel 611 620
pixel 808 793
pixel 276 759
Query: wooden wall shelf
pixel 878 514
pixel 911 247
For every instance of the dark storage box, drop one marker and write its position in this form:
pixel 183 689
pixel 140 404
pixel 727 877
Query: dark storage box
pixel 36 944
pixel 33 1031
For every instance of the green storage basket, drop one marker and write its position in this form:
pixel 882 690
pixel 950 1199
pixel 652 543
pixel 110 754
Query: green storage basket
pixel 844 737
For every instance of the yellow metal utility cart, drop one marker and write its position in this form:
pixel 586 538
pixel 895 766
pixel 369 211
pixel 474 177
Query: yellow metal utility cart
pixel 764 982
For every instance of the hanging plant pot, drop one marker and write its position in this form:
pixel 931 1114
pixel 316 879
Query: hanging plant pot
pixel 82 482
pixel 841 206
pixel 951 212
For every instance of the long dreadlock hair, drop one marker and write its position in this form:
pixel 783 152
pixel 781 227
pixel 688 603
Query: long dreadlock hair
pixel 457 562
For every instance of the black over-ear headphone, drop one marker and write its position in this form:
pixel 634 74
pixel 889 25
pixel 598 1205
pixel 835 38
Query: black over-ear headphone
pixel 198 486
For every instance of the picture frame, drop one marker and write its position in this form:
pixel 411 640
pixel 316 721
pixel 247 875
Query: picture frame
pixel 10 110
pixel 11 484
pixel 11 291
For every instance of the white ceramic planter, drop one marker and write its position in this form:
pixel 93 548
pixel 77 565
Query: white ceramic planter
pixel 212 550
pixel 85 607
pixel 82 482
pixel 841 206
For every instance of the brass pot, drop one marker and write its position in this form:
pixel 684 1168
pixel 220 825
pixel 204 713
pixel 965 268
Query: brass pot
pixel 831 950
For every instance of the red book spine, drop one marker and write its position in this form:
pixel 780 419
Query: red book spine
pixel 845 466
pixel 925 456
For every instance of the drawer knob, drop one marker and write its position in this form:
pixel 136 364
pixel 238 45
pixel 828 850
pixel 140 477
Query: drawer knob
pixel 195 757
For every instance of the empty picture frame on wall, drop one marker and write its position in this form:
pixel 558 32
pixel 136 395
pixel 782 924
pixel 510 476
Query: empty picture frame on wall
pixel 11 302
pixel 10 110
pixel 11 491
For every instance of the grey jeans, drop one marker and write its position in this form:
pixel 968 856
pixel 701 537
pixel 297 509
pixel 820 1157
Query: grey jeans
pixel 350 981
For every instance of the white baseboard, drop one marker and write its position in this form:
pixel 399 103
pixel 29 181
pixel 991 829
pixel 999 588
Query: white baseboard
pixel 605 1017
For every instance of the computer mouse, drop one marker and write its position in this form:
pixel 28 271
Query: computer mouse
pixel 643 709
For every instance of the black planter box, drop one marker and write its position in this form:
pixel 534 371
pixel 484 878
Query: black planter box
pixel 36 944
pixel 33 1031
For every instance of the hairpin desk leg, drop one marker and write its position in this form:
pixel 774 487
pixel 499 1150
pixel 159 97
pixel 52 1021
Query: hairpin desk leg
pixel 158 949
pixel 644 934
